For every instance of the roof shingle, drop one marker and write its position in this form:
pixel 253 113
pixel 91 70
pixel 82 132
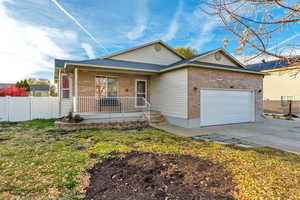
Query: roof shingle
pixel 275 64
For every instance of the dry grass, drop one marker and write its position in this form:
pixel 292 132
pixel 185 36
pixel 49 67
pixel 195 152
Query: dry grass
pixel 38 161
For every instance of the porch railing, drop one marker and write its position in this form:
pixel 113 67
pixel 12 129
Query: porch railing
pixel 93 104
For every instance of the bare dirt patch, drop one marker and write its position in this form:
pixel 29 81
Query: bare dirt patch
pixel 150 176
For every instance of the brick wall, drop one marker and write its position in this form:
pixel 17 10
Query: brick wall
pixel 87 84
pixel 211 78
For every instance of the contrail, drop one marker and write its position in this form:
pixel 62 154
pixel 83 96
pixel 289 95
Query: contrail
pixel 79 24
pixel 285 41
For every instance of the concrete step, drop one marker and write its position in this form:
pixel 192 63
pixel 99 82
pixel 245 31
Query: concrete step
pixel 156 117
pixel 156 121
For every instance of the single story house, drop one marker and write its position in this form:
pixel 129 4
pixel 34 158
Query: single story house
pixel 39 90
pixel 6 85
pixel 208 89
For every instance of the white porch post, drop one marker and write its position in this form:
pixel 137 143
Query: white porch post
pixel 75 91
pixel 59 90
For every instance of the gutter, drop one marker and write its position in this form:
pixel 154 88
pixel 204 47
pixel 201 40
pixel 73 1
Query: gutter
pixel 210 67
pixel 170 68
pixel 109 67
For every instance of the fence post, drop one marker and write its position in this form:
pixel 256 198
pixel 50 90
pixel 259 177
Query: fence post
pixel 7 107
pixel 30 108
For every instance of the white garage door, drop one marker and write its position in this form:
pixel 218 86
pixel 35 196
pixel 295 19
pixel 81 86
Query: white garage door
pixel 226 107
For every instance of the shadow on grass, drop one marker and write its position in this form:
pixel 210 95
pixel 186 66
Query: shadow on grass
pixel 283 155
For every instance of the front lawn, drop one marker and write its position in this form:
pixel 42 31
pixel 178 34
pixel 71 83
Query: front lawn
pixel 38 161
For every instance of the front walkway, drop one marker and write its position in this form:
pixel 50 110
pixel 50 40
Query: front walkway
pixel 280 134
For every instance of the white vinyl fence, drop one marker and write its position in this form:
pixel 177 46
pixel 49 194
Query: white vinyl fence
pixel 27 108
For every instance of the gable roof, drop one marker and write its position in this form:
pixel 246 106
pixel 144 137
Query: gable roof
pixel 136 66
pixel 145 45
pixel 226 53
pixel 139 66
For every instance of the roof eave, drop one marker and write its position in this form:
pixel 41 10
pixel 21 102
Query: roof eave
pixel 109 67
pixel 281 69
pixel 211 67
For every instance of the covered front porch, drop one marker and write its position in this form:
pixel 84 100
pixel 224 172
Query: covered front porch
pixel 107 94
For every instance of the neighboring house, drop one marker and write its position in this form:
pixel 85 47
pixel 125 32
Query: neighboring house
pixel 282 79
pixel 39 90
pixel 281 82
pixel 6 85
pixel 208 89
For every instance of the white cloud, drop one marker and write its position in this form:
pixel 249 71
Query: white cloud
pixel 140 20
pixel 89 50
pixel 283 42
pixel 206 25
pixel 200 41
pixel 26 49
pixel 174 23
pixel 79 24
pixel 70 35
pixel 137 32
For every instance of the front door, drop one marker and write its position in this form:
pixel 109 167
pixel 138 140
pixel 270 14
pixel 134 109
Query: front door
pixel 140 93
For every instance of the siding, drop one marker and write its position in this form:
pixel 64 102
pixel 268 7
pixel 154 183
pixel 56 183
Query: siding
pixel 225 60
pixel 148 54
pixel 168 93
pixel 282 83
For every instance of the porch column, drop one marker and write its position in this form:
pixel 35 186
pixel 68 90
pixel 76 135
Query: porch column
pixel 75 90
pixel 59 90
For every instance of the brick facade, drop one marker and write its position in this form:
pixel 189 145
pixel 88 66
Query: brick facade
pixel 126 82
pixel 201 78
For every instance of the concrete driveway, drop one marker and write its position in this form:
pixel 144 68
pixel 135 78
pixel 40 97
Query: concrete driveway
pixel 280 134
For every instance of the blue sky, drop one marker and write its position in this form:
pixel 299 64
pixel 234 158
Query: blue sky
pixel 37 31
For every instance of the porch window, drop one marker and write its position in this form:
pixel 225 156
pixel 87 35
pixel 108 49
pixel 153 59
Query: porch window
pixel 106 86
pixel 65 87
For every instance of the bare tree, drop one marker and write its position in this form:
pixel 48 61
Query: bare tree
pixel 256 22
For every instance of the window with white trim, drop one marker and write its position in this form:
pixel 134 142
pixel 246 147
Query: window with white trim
pixel 65 87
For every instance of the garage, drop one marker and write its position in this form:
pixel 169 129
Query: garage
pixel 219 106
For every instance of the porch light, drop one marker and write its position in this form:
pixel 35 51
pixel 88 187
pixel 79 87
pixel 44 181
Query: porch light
pixel 195 89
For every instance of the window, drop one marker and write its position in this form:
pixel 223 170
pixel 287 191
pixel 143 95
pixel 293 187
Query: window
pixel 106 86
pixel 65 87
pixel 285 100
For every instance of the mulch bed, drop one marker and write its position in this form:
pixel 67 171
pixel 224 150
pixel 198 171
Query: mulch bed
pixel 149 176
